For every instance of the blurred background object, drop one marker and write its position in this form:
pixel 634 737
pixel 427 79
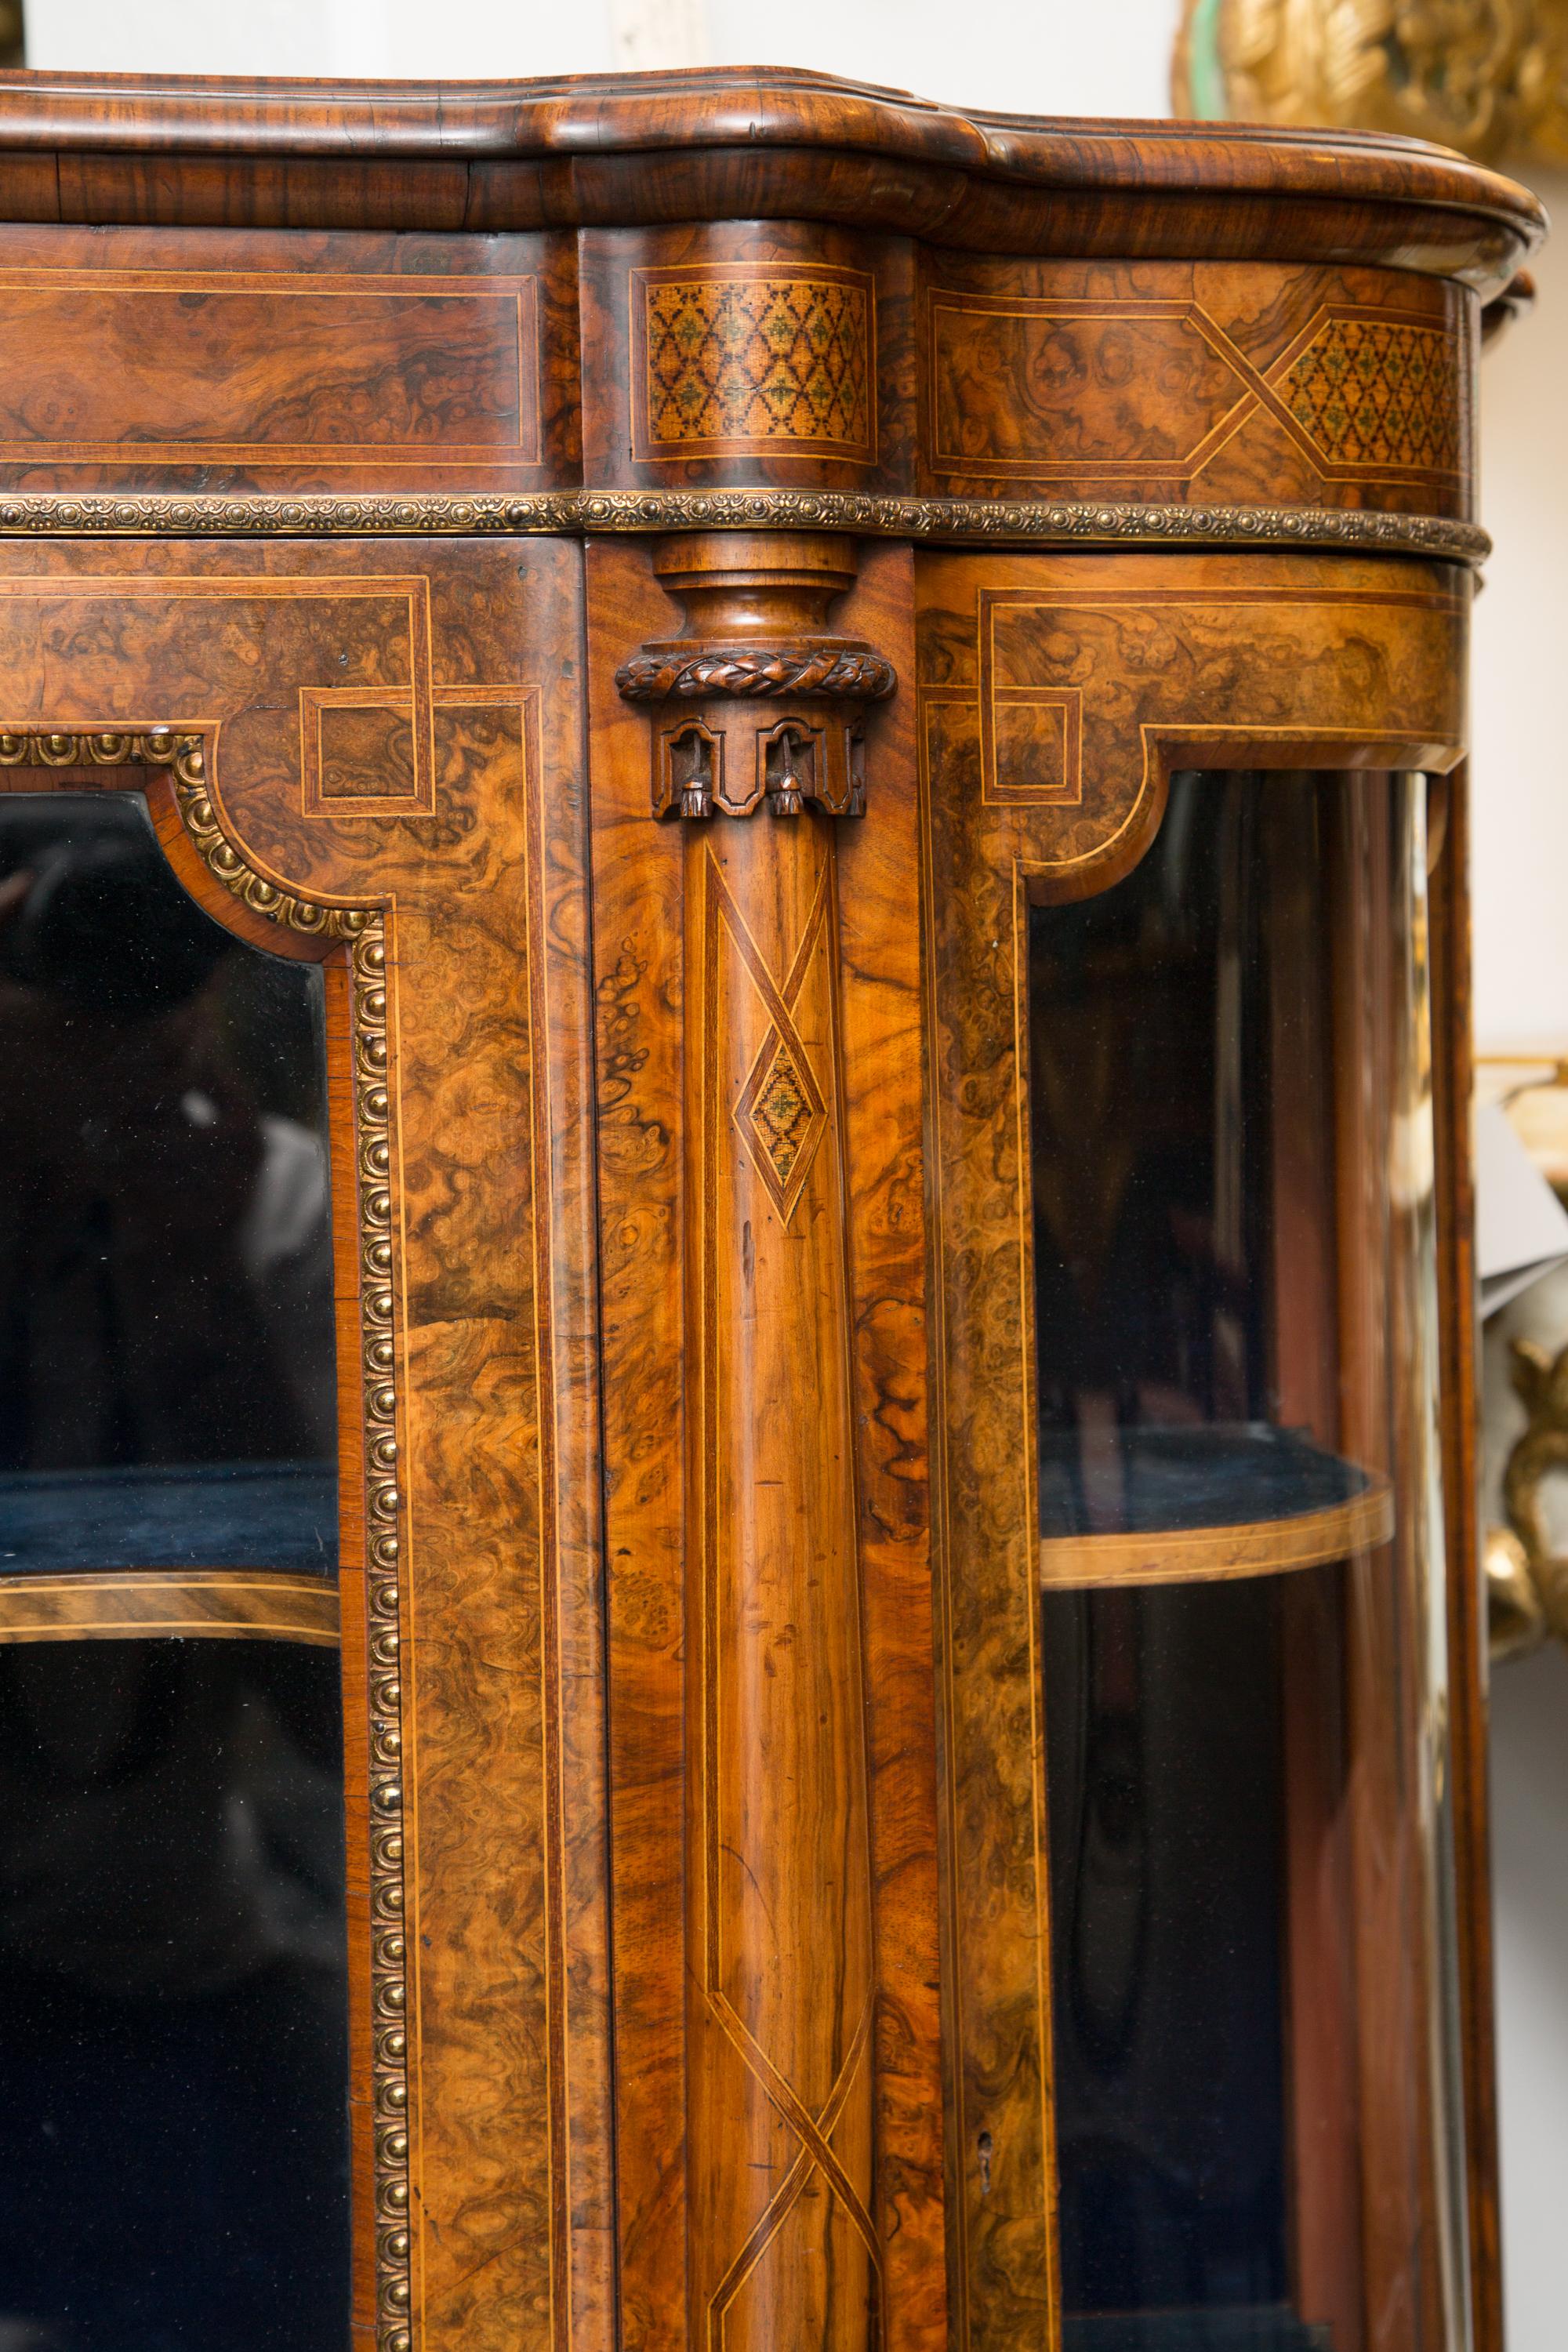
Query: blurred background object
pixel 1521 1152
pixel 1489 77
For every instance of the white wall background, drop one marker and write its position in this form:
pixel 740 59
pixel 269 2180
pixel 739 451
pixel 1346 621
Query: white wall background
pixel 1048 57
pixel 1520 760
pixel 1061 56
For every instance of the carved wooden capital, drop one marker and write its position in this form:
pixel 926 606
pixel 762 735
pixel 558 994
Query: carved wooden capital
pixel 756 605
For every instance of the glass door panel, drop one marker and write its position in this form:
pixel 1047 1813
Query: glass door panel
pixel 1241 1605
pixel 174 2033
pixel 167 1382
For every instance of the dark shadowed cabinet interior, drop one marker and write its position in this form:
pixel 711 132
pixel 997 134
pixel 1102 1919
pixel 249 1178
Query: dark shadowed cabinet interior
pixel 737 1583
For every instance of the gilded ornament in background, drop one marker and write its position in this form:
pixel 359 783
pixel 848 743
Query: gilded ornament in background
pixel 1488 77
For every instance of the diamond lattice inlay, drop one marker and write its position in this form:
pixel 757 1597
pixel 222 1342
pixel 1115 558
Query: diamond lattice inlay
pixel 781 1116
pixel 1367 392
pixel 757 359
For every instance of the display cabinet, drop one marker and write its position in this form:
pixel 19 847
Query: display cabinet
pixel 738 1583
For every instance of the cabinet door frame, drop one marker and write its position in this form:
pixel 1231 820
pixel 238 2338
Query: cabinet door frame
pixel 371 757
pixel 1058 694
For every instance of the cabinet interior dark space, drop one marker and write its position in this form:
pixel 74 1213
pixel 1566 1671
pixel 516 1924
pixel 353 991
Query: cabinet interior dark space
pixel 1221 1216
pixel 174 2025
pixel 168 1382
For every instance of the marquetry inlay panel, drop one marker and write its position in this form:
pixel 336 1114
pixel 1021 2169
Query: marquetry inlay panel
pixel 1375 392
pixel 730 358
pixel 781 1116
pixel 1175 381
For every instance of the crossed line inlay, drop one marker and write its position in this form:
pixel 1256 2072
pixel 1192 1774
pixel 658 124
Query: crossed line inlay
pixel 781 1140
pixel 814 2153
pixel 781 1115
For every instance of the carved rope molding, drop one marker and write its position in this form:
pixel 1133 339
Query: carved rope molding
pixel 1042 522
pixel 830 672
pixel 363 930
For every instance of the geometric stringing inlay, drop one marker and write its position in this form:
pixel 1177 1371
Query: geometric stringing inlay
pixel 781 1116
pixel 759 359
pixel 1367 392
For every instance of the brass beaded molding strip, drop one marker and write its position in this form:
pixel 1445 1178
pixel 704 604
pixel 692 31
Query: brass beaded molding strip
pixel 364 931
pixel 1041 522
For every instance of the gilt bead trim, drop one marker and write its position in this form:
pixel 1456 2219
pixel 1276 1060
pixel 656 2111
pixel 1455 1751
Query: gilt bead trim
pixel 1028 522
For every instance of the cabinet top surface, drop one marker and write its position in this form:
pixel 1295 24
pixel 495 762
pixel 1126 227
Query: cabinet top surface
pixel 768 142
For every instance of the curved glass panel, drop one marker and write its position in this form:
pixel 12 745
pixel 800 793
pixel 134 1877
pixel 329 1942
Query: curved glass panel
pixel 1241 1583
pixel 173 2040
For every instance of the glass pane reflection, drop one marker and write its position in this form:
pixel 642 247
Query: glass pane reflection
pixel 1253 2065
pixel 167 1375
pixel 174 2145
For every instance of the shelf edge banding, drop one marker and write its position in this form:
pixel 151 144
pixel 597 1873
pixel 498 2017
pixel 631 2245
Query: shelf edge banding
pixel 184 1603
pixel 1219 1554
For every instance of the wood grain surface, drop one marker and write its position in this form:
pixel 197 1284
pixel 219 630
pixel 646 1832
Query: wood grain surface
pixel 780 2241
pixel 219 361
pixel 765 1418
pixel 743 352
pixel 190 1603
pixel 741 144
pixel 699 1187
pixel 1451 1086
pixel 1074 691
pixel 734 279
pixel 793 356
pixel 1176 381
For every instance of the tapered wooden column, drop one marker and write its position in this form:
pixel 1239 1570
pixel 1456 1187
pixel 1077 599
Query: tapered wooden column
pixel 757 745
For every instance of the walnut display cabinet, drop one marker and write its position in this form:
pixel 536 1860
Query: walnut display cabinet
pixel 738 1583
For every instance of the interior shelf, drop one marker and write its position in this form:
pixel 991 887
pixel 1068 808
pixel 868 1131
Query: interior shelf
pixel 280 1516
pixel 1266 2328
pixel 1202 1503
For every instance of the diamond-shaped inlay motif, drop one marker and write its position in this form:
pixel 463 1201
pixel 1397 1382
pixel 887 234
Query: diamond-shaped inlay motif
pixel 1368 393
pixel 781 1116
pixel 757 359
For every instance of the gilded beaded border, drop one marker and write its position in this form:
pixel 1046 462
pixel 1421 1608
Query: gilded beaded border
pixel 1042 522
pixel 364 931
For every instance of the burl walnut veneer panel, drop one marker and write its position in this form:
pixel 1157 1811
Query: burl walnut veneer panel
pixel 789 355
pixel 1260 662
pixel 220 360
pixel 481 1047
pixel 1179 381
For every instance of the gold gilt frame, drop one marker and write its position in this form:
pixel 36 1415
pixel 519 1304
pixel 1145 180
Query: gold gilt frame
pixel 1488 77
